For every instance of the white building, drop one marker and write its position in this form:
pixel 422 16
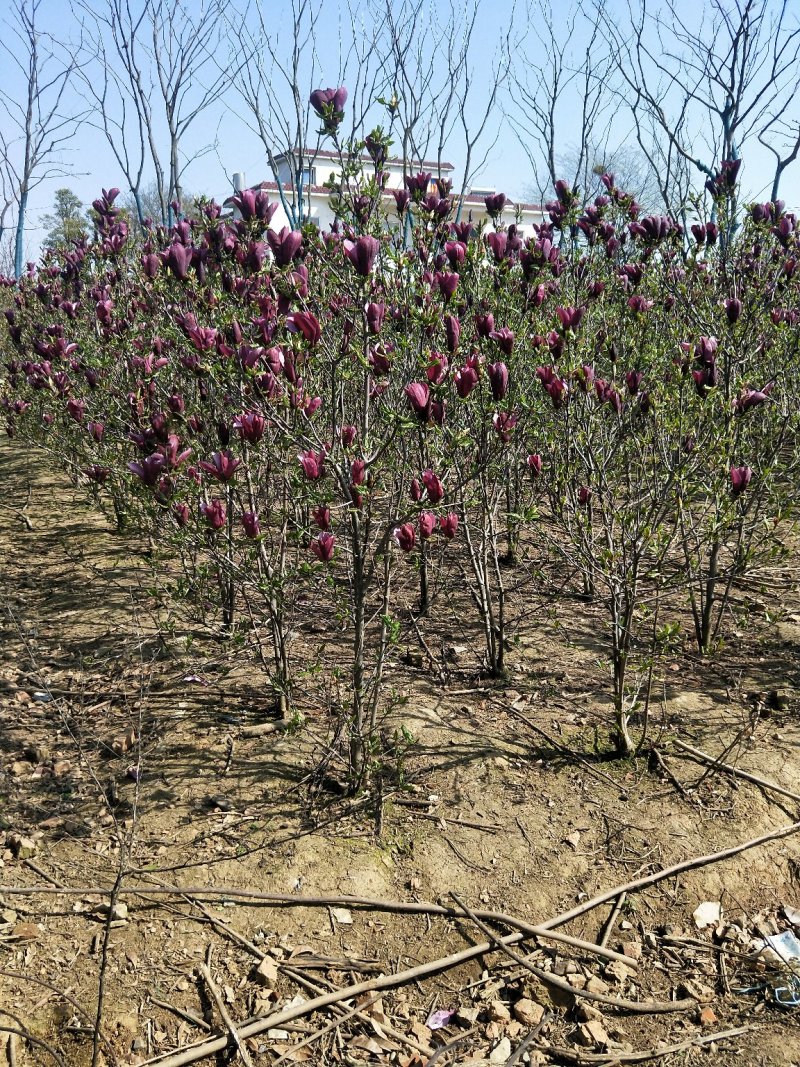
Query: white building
pixel 324 166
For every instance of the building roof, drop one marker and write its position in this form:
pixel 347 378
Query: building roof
pixel 324 153
pixel 468 201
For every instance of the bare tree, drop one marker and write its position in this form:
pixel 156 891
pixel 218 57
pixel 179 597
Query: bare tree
pixel 558 91
pixel 280 70
pixel 41 129
pixel 714 84
pixel 158 74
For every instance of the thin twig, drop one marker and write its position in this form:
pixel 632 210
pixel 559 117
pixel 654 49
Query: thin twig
pixel 215 992
pixel 400 907
pixel 612 919
pixel 200 1051
pixel 668 872
pixel 521 1048
pixel 717 764
pixel 648 1007
pixel 182 1013
pixel 604 1058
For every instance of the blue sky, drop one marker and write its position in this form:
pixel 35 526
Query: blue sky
pixel 88 163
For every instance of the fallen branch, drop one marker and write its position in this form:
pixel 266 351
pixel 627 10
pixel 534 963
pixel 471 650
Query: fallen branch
pixel 318 1034
pixel 399 907
pixel 214 990
pixel 645 1007
pixel 195 1020
pixel 667 872
pixel 193 1053
pixel 717 764
pixel 616 1056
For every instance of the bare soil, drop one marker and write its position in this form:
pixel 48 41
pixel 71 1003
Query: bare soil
pixel 123 748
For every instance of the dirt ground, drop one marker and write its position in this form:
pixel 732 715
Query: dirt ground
pixel 124 747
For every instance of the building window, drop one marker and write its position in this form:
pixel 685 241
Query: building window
pixel 309 176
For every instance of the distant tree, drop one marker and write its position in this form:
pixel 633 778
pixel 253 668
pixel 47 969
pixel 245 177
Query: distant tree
pixel 67 221
pixel 36 131
pixel 629 165
pixel 149 201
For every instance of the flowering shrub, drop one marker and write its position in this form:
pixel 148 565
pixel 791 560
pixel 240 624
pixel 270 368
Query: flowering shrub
pixel 294 412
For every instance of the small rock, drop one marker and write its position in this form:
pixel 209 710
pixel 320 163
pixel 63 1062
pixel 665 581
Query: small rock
pixel 138 1044
pixel 586 1012
pixel 467 1016
pixel 706 914
pixel 592 1034
pixel 22 847
pixel 499 1012
pixel 618 972
pixel 18 768
pixel 707 1017
pixel 528 1012
pixel 632 949
pixel 342 916
pixel 501 1051
pixel 577 981
pixel 597 985
pixel 266 973
pixel 26 932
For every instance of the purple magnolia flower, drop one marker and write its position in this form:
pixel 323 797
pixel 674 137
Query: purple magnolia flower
pixel 170 450
pixel 362 253
pixel 427 524
pixel 402 198
pixel 484 325
pixel 222 466
pixel 733 309
pixel 251 426
pixel 584 495
pixel 305 323
pixel 570 317
pixel 214 513
pixel 633 380
pixel 285 245
pixel 322 517
pixel 504 339
pixel 179 259
pixel 415 490
pixel 447 283
pixel 495 204
pixel 455 252
pixel 504 423
pixel 348 435
pixel 313 464
pixel 250 523
pixel 417 184
pixel 498 379
pixel 376 313
pixel 752 398
pixel 254 204
pixel 150 469
pixel 465 379
pixel 405 536
pixel 448 524
pixel 96 473
pixel 452 329
pixel 323 545
pixel 433 486
pixel 96 431
pixel 437 368
pixel 419 398
pixel 329 105
pixel 358 472
pixel 497 241
pixel 180 513
pixel 76 408
pixel 535 464
pixel 740 479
